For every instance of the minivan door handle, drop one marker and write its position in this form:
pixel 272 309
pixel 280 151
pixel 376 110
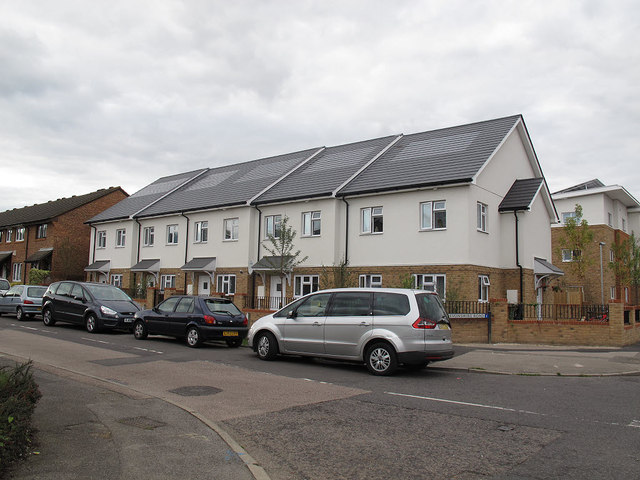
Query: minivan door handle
pixel 317 324
pixel 364 324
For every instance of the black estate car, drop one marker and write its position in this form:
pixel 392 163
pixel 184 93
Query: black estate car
pixel 196 319
pixel 94 305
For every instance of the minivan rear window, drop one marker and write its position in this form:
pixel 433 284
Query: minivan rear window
pixel 430 307
pixel 390 304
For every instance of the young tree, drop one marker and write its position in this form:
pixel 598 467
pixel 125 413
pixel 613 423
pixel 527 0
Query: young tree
pixel 337 276
pixel 283 259
pixel 626 262
pixel 576 240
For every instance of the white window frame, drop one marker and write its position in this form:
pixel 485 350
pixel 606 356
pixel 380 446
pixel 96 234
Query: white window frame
pixel 483 288
pixel 305 284
pixel 612 256
pixel 201 232
pixel 116 280
pixel 272 226
pixel 612 293
pixel 16 272
pixel 370 281
pixel 309 221
pixel 609 219
pixel 167 281
pixel 41 231
pixel 9 235
pixel 626 294
pixel 568 215
pixel 121 237
pixel 148 236
pixel 231 229
pixel 482 217
pixel 101 239
pixel 428 212
pixel 368 216
pixel 430 282
pixel 226 284
pixel 172 234
pixel 624 224
pixel 20 234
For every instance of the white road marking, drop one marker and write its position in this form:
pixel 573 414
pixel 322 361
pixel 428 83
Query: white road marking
pixel 634 423
pixel 467 404
pixel 147 350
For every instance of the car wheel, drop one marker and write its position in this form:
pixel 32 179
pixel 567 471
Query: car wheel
pixel 140 330
pixel 193 337
pixel 266 346
pixel 47 318
pixel 381 359
pixel 19 314
pixel 91 323
pixel 235 343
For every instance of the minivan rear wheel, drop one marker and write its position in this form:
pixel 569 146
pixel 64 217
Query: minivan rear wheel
pixel 381 359
pixel 91 323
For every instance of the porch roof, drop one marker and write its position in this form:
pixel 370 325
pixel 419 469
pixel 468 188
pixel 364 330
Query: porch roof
pixel 542 267
pixel 152 266
pixel 39 255
pixel 98 266
pixel 202 264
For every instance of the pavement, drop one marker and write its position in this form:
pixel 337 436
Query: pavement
pixel 90 427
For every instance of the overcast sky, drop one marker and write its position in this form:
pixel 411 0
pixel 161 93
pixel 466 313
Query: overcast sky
pixel 98 94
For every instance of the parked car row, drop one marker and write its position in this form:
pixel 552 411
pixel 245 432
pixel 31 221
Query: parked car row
pixel 383 328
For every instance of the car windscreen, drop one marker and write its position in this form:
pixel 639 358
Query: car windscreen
pixel 221 306
pixel 4 285
pixel 107 292
pixel 431 307
pixel 36 292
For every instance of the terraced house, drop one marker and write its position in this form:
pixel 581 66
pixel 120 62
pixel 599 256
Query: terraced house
pixel 463 210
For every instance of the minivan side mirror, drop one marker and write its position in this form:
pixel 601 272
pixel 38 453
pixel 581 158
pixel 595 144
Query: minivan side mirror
pixel 291 314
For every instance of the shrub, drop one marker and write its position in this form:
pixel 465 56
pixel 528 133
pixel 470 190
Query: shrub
pixel 39 277
pixel 19 394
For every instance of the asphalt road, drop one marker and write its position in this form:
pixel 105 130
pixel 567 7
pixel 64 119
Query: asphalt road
pixel 312 419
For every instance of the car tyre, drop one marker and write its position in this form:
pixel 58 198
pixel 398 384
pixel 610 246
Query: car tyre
pixel 140 330
pixel 266 346
pixel 381 359
pixel 194 339
pixel 47 318
pixel 92 323
pixel 19 314
pixel 235 343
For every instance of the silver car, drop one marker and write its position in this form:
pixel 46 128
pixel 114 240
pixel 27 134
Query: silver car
pixel 382 327
pixel 22 300
pixel 4 285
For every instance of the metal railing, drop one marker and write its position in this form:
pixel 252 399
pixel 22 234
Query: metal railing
pixel 469 307
pixel 581 313
pixel 270 303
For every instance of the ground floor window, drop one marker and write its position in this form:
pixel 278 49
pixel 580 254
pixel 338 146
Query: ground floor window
pixel 374 281
pixel 227 284
pixel 431 283
pixel 167 281
pixel 483 288
pixel 17 272
pixel 304 284
pixel 116 280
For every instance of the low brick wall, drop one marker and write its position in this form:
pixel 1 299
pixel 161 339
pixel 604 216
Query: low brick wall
pixel 470 330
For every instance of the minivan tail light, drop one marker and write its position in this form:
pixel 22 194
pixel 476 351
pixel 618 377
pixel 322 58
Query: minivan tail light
pixel 28 302
pixel 209 320
pixel 424 323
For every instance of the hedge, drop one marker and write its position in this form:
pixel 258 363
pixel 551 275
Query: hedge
pixel 19 394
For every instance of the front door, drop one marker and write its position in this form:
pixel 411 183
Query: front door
pixel 278 292
pixel 204 285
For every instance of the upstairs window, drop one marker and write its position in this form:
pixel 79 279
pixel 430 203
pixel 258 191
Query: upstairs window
pixel 148 236
pixel 41 231
pixel 433 215
pixel 609 219
pixel 201 232
pixel 121 237
pixel 9 235
pixel 569 255
pixel 1 234
pixel 311 224
pixel 372 220
pixel 231 228
pixel 272 225
pixel 20 234
pixel 101 238
pixel 482 217
pixel 567 215
pixel 172 234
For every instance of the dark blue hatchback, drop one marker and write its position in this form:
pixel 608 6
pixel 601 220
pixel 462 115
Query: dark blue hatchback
pixel 196 319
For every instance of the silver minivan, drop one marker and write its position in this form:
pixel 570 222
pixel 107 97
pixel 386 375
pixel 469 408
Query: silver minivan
pixel 383 327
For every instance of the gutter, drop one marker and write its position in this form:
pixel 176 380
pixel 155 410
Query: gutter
pixel 186 249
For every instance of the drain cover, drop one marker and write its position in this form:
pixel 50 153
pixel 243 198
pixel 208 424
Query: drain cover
pixel 144 423
pixel 196 391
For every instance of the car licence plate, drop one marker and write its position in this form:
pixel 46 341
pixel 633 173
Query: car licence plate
pixel 229 334
pixel 128 320
pixel 443 326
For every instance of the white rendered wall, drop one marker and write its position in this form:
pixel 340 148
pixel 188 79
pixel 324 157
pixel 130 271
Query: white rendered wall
pixel 119 257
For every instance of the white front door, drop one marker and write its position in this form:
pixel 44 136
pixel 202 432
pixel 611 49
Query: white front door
pixel 277 291
pixel 204 285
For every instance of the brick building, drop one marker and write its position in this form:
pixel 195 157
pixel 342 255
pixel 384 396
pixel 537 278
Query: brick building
pixel 463 210
pixel 51 236
pixel 613 214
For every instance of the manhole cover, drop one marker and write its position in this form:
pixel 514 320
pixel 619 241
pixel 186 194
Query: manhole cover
pixel 196 391
pixel 144 423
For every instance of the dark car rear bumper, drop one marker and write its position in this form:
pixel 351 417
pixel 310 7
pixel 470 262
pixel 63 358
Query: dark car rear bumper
pixel 421 357
pixel 116 323
pixel 223 333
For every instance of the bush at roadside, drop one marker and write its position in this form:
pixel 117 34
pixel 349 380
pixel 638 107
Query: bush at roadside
pixel 19 394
